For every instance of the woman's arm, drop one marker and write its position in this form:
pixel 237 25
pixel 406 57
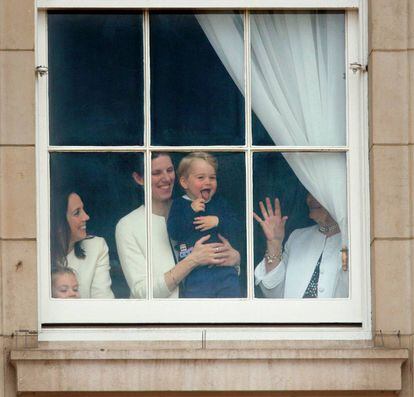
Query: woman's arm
pixel 202 254
pixel 273 227
pixel 101 282
pixel 133 259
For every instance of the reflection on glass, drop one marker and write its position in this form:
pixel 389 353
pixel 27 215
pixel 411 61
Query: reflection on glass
pixel 301 241
pixel 194 100
pixel 89 194
pixel 203 224
pixel 95 78
pixel 298 78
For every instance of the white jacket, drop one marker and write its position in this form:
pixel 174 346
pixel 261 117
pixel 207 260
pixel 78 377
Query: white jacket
pixel 92 271
pixel 302 251
pixel 131 244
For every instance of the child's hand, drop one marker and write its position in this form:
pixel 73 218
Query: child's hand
pixel 198 205
pixel 204 223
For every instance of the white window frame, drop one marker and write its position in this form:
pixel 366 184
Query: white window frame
pixel 349 318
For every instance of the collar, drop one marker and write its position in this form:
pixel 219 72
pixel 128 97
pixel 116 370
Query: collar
pixel 185 196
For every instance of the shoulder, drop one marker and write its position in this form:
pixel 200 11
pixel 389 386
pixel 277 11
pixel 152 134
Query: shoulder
pixel 179 203
pixel 218 200
pixel 132 218
pixel 303 233
pixel 220 204
pixel 94 244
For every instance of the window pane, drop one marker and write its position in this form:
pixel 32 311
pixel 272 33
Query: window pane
pixel 95 79
pixel 194 101
pixel 105 193
pixel 311 188
pixel 204 198
pixel 298 78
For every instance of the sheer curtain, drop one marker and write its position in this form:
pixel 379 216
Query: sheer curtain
pixel 298 90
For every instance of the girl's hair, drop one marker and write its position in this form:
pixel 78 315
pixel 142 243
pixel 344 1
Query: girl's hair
pixel 60 231
pixel 185 163
pixel 59 269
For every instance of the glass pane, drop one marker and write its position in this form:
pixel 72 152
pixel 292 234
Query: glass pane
pixel 95 78
pixel 208 202
pixel 299 240
pixel 194 100
pixel 298 78
pixel 90 193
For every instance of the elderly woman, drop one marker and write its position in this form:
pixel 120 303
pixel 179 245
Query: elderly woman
pixel 131 239
pixel 310 266
pixel 71 246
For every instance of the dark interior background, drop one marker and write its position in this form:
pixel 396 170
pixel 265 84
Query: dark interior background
pixel 95 78
pixel 193 99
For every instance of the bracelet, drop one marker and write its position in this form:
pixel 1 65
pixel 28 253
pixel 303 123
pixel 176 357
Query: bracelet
pixel 271 258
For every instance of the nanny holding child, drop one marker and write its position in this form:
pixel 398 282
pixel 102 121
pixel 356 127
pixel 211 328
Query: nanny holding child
pixel 168 272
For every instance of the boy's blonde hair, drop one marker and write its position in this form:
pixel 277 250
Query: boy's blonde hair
pixel 185 163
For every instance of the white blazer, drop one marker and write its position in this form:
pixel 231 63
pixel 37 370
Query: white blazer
pixel 92 271
pixel 131 244
pixel 302 251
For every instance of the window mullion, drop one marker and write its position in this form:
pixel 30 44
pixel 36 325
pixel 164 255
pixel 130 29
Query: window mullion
pixel 147 141
pixel 249 163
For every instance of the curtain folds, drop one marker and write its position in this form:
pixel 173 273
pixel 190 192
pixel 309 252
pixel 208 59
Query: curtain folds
pixel 298 90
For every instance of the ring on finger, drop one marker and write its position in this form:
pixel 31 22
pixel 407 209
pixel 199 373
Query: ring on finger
pixel 217 250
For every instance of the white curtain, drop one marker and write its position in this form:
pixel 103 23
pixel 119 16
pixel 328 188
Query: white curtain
pixel 298 90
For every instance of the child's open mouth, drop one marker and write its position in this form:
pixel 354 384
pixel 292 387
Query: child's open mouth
pixel 205 194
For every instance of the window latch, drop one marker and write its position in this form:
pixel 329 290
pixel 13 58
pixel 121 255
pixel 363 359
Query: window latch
pixel 41 70
pixel 357 67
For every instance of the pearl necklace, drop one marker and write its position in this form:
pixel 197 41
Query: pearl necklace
pixel 325 229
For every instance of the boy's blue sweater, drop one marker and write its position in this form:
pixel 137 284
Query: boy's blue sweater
pixel 182 230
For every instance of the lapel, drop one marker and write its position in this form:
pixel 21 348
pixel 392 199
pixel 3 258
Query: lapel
pixel 304 253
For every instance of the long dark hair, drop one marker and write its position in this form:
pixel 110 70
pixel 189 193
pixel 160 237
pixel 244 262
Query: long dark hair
pixel 60 231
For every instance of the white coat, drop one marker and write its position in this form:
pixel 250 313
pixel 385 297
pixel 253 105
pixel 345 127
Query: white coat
pixel 92 271
pixel 131 244
pixel 302 251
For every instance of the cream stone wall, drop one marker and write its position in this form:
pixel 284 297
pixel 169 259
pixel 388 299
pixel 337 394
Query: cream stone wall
pixel 391 97
pixel 17 180
pixel 391 74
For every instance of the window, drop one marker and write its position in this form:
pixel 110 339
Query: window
pixel 267 95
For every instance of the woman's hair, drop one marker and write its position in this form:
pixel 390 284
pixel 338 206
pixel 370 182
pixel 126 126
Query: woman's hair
pixel 186 162
pixel 135 162
pixel 60 231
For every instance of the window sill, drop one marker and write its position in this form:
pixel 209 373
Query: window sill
pixel 60 370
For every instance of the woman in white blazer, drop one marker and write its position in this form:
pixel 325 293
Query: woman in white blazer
pixel 310 265
pixel 71 246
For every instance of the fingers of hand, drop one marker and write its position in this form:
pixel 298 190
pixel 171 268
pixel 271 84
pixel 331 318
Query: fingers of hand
pixel 269 206
pixel 223 239
pixel 277 207
pixel 257 217
pixel 202 240
pixel 263 210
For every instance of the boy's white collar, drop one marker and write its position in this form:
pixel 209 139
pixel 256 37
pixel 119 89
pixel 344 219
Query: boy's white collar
pixel 186 197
